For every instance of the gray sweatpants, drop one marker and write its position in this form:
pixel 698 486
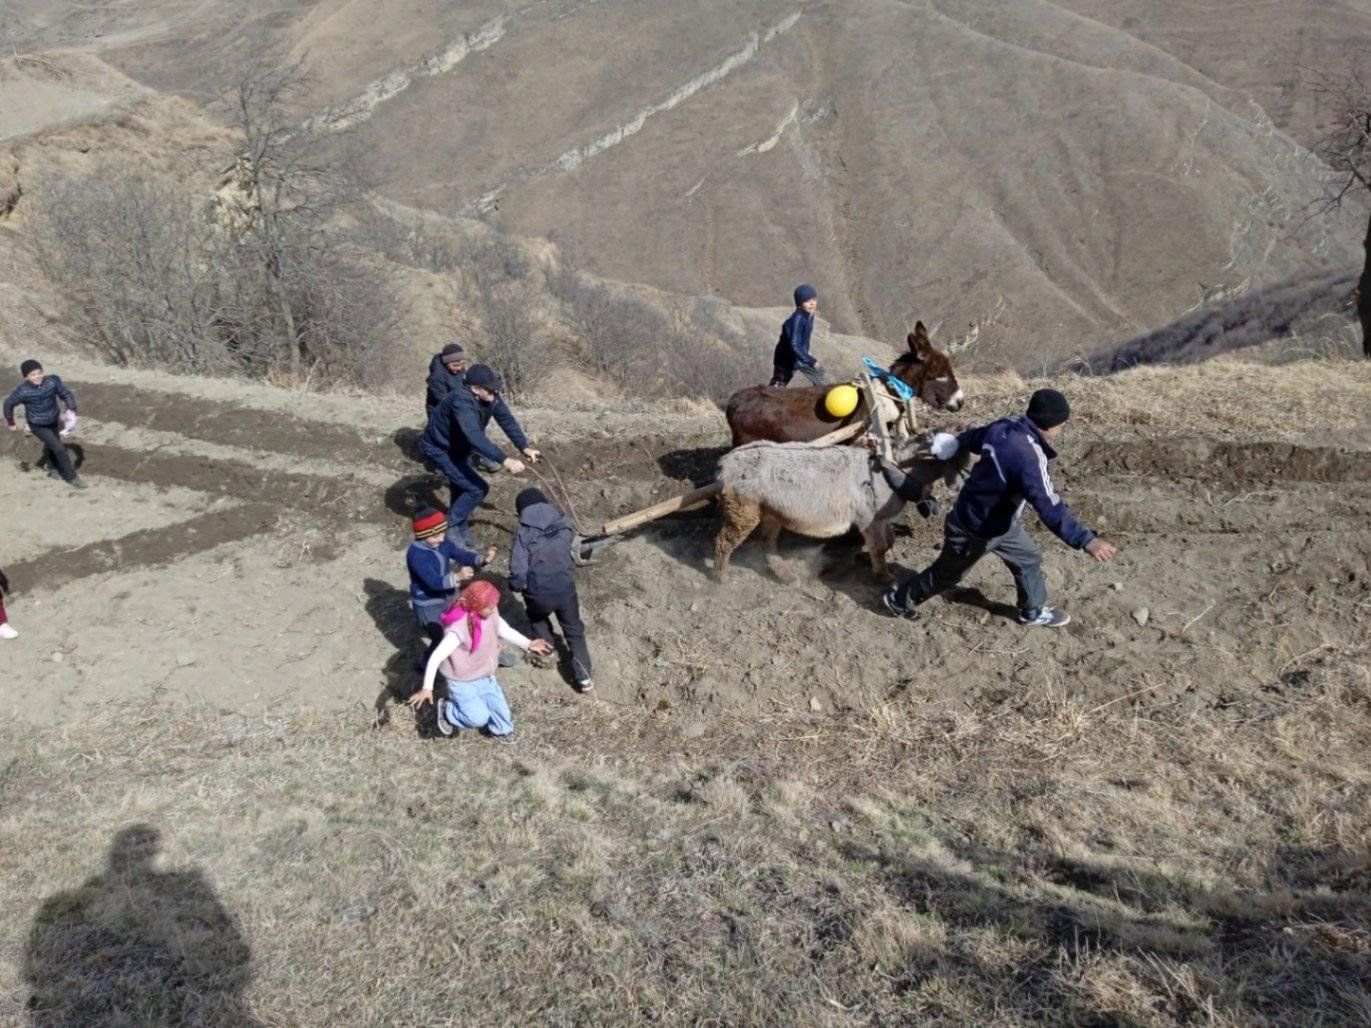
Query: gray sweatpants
pixel 960 552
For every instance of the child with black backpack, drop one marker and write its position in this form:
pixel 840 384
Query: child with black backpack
pixel 540 568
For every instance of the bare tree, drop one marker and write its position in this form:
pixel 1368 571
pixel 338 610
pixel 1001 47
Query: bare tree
pixel 138 262
pixel 1346 148
pixel 316 295
pixel 260 280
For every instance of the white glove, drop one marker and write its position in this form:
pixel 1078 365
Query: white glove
pixel 69 420
pixel 944 445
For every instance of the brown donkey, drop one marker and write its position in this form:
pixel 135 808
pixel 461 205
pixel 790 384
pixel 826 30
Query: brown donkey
pixel 798 415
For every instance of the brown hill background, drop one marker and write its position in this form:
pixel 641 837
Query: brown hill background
pixel 1084 171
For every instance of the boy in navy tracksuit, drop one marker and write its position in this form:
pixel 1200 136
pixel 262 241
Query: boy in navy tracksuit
pixel 38 394
pixel 436 567
pixel 540 567
pixel 1012 472
pixel 792 349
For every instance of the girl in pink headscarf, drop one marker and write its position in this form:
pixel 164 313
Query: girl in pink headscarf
pixel 467 656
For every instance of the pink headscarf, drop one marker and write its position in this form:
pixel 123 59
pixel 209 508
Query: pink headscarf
pixel 476 597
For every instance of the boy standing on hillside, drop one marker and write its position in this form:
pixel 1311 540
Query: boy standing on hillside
pixel 792 349
pixel 540 568
pixel 446 372
pixel 1012 472
pixel 38 394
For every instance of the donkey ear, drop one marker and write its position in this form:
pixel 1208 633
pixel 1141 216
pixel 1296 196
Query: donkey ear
pixel 918 341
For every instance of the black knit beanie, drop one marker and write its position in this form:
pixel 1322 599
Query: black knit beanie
pixel 804 293
pixel 452 350
pixel 527 498
pixel 29 366
pixel 481 376
pixel 1048 408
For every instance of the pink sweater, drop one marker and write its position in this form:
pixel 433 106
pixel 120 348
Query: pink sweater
pixel 458 664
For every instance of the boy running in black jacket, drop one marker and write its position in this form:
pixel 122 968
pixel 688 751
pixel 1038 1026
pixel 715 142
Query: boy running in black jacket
pixel 38 394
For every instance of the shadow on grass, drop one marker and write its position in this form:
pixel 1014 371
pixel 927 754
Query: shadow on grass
pixel 136 945
pixel 1296 952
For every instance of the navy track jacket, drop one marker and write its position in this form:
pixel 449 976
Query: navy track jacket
pixel 792 349
pixel 1013 472
pixel 431 570
pixel 457 426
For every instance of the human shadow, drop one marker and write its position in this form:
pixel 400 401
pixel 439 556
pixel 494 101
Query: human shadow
pixel 406 495
pixel 135 945
pixel 75 451
pixel 973 597
pixel 406 440
pixel 401 674
pixel 699 466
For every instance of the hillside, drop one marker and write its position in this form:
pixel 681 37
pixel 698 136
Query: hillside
pixel 779 805
pixel 951 819
pixel 1097 169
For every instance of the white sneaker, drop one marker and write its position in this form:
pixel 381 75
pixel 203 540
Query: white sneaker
pixel 585 684
pixel 1046 617
pixel 7 631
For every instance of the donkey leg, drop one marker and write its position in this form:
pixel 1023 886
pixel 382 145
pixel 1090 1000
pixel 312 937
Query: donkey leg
pixel 740 518
pixel 771 532
pixel 878 538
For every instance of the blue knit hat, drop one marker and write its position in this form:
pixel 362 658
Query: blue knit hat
pixel 805 293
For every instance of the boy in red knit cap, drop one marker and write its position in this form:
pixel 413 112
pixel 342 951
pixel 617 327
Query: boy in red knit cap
pixel 437 566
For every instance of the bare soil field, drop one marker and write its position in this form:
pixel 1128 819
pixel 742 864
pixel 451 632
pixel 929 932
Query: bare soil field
pixel 779 806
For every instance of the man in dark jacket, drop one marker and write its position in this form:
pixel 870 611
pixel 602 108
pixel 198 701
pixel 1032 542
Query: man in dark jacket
pixel 540 567
pixel 38 394
pixel 792 349
pixel 456 433
pixel 446 372
pixel 1011 473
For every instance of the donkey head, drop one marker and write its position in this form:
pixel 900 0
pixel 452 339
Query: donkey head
pixel 928 372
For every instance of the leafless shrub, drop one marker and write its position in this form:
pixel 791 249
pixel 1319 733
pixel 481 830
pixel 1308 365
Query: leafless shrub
pixel 138 261
pixel 512 345
pixel 1346 149
pixel 257 282
pixel 496 260
pixel 622 334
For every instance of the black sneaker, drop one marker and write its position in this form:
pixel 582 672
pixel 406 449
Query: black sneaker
pixel 1044 617
pixel 585 684
pixel 888 602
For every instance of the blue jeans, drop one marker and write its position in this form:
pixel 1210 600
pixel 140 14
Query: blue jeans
pixel 468 489
pixel 479 703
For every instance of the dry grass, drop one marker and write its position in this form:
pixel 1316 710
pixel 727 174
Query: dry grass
pixel 1037 861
